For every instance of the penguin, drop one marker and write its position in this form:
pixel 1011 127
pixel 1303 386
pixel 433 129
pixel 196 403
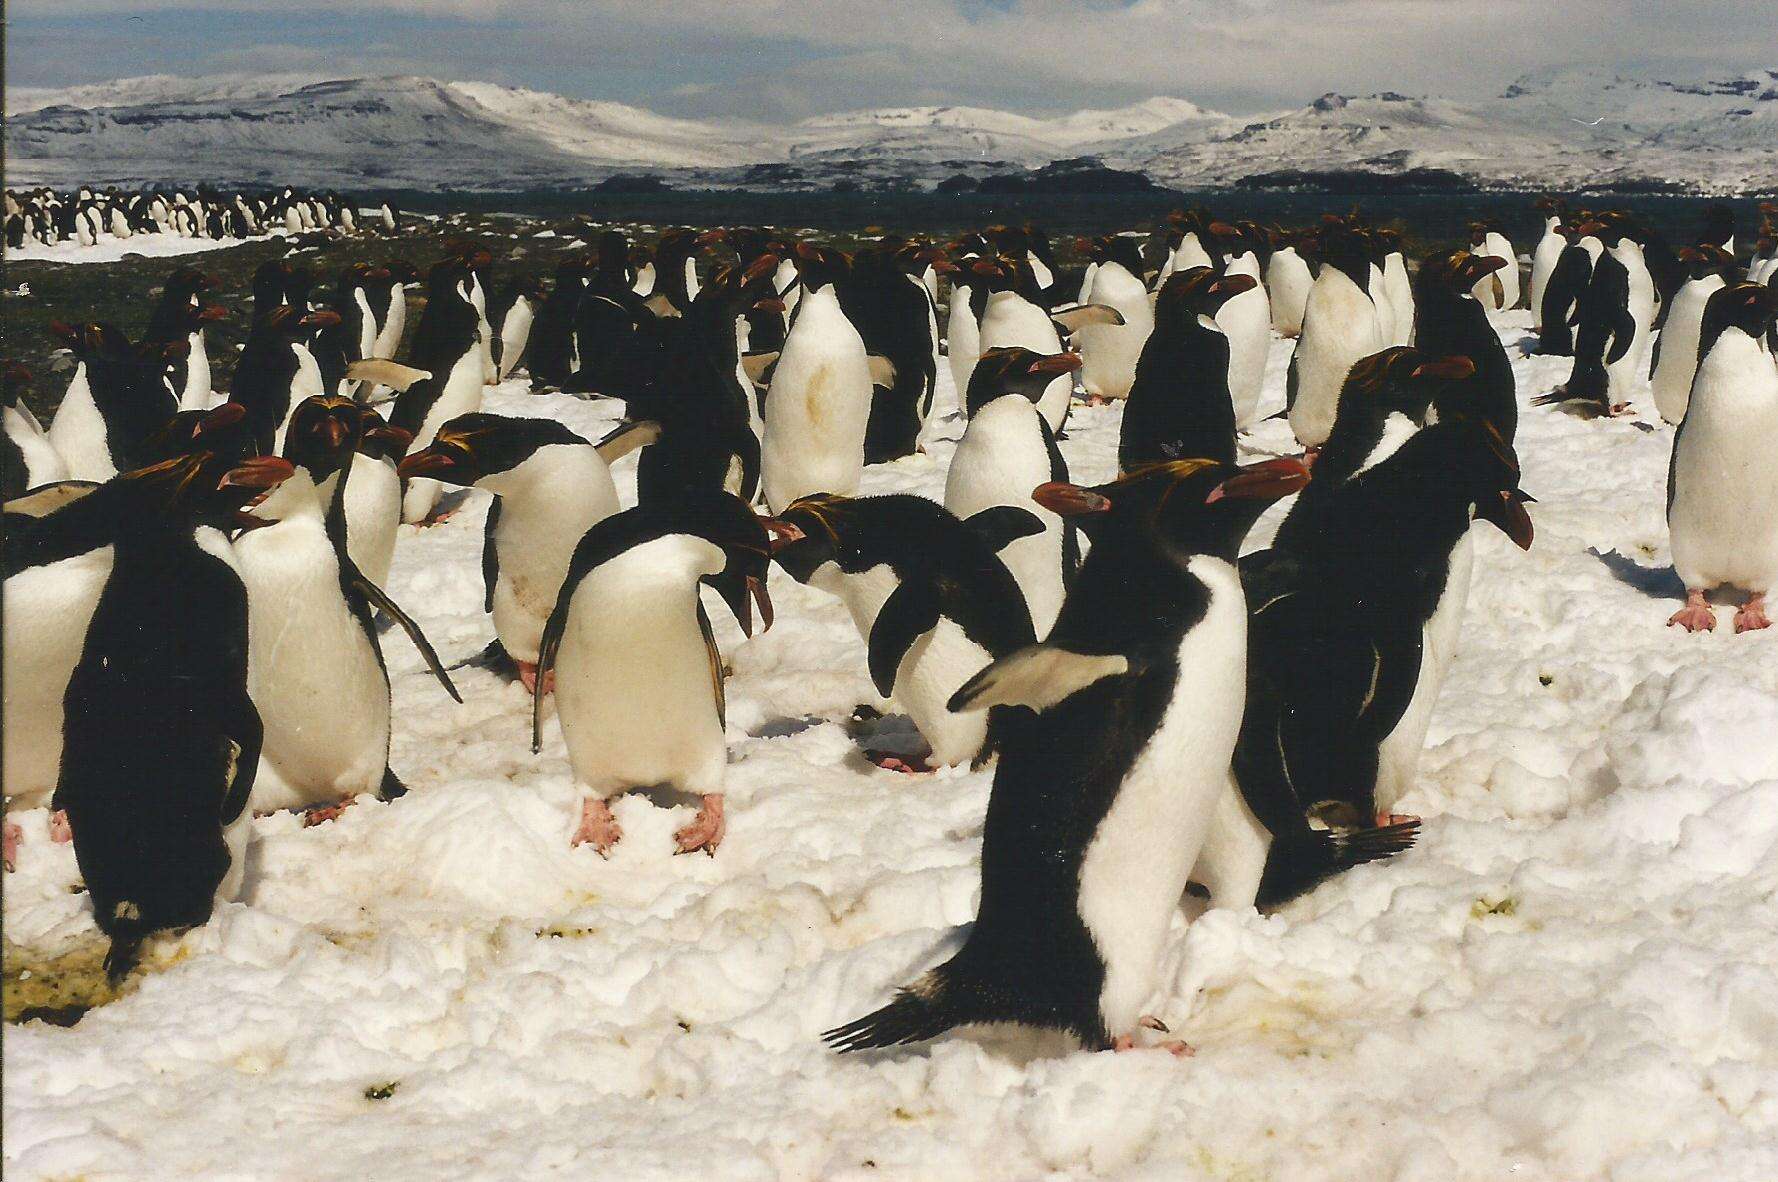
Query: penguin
pixel 1629 373
pixel 930 599
pixel 1399 287
pixel 315 666
pixel 1108 352
pixel 1340 325
pixel 550 486
pixel 391 217
pixel 447 347
pixel 1497 291
pixel 1450 320
pixel 161 736
pixel 963 331
pixel 180 314
pixel 1111 765
pixel 552 358
pixel 1180 406
pixel 1568 280
pixel 1006 451
pixel 27 458
pixel 1189 230
pixel 1544 255
pixel 117 397
pixel 1245 319
pixel 1722 487
pixel 893 316
pixel 638 677
pixel 1288 280
pixel 819 402
pixel 1605 334
pixel 354 336
pixel 1012 317
pixel 1676 349
pixel 388 302
pixel 373 496
pixel 276 370
pixel 1364 585
pixel 512 314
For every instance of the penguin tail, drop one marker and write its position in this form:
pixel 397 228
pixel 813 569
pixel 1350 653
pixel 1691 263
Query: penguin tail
pixel 1306 859
pixel 925 1009
pixel 123 956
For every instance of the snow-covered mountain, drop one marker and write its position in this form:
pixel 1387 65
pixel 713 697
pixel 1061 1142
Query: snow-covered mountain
pixel 1557 127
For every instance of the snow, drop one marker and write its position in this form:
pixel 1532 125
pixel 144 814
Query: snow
pixel 1573 975
pixel 110 250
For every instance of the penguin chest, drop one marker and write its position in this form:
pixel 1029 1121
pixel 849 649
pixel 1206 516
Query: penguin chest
pixel 534 550
pixel 41 462
pixel 1398 756
pixel 47 610
pixel 196 394
pixel 816 414
pixel 1724 515
pixel 1339 327
pixel 1142 851
pixel 515 330
pixel 312 670
pixel 1000 459
pixel 80 434
pixel 373 513
pixel 637 687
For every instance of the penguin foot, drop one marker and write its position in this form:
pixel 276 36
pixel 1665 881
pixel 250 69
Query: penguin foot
pixel 917 766
pixel 9 844
pixel 707 828
pixel 326 812
pixel 1696 615
pixel 528 677
pixel 436 517
pixel 1176 1047
pixel 1091 399
pixel 60 831
pixel 1752 616
pixel 1309 455
pixel 597 826
pixel 1385 820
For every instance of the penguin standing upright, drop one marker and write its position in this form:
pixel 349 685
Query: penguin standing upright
pixel 818 405
pixel 893 316
pixel 638 677
pixel 932 602
pixel 511 314
pixel 316 669
pixel 1605 335
pixel 553 357
pixel 1676 349
pixel 1568 280
pixel 373 496
pixel 1245 318
pixel 1179 406
pixel 1288 280
pixel 1544 255
pixel 276 371
pixel 447 346
pixel 27 457
pixel 388 301
pixel 1498 290
pixel 1108 352
pixel 161 737
pixel 1399 286
pixel 1450 321
pixel 119 395
pixel 963 328
pixel 1340 325
pixel 1629 373
pixel 550 486
pixel 1722 486
pixel 1110 771
pixel 1006 451
pixel 180 315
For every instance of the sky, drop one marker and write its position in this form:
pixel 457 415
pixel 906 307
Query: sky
pixel 782 60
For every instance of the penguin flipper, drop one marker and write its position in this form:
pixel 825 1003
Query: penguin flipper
pixel 1038 676
pixel 490 557
pixel 924 1010
pixel 908 614
pixel 429 654
pixel 627 438
pixel 547 648
pixel 1623 335
pixel 1002 525
pixel 1070 320
pixel 714 656
pixel 1303 860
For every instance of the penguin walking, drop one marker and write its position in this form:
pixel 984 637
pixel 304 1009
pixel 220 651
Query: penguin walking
pixel 316 669
pixel 819 402
pixel 1676 349
pixel 932 602
pixel 447 347
pixel 550 486
pixel 1111 765
pixel 1245 319
pixel 1180 406
pixel 161 736
pixel 1722 487
pixel 1340 325
pixel 1450 321
pixel 27 458
pixel 638 677
pixel 1006 451
pixel 1108 352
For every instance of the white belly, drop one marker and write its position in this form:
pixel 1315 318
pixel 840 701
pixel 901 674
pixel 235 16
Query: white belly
pixel 1339 327
pixel 1247 322
pixel 1287 285
pixel 43 463
pixel 964 340
pixel 1010 321
pixel 817 409
pixel 1724 519
pixel 1140 857
pixel 47 611
pixel 79 434
pixel 311 670
pixel 1672 381
pixel 197 392
pixel 515 330
pixel 1399 753
pixel 462 394
pixel 1108 352
pixel 373 513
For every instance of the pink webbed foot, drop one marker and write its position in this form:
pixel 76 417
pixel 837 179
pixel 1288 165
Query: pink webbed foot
pixel 1309 456
pixel 9 843
pixel 597 827
pixel 326 812
pixel 706 829
pixel 1696 615
pixel 1091 399
pixel 60 831
pixel 1176 1047
pixel 919 765
pixel 1752 616
pixel 436 517
pixel 1384 820
pixel 528 677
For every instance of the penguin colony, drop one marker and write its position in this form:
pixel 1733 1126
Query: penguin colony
pixel 195 623
pixel 88 216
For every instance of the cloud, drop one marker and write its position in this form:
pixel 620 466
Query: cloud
pixel 785 59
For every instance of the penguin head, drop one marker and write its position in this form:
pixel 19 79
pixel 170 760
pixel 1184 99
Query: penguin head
pixel 294 324
pixel 197 317
pixel 186 282
pixel 1194 295
pixel 814 531
pixel 1750 307
pixel 1182 507
pixel 203 485
pixel 222 430
pixel 1457 271
pixel 1472 461
pixel 819 266
pixel 488 451
pixel 379 439
pixel 1016 370
pixel 1401 380
pixel 741 558
pixel 323 434
pixel 1705 258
